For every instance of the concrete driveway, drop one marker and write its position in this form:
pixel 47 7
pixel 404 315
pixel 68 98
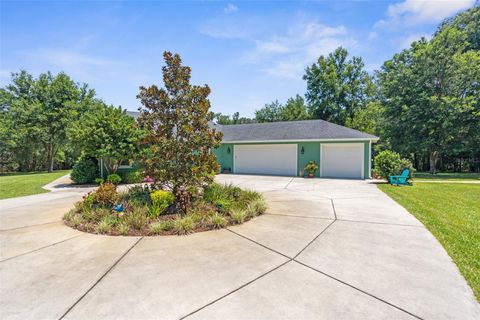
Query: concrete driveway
pixel 326 249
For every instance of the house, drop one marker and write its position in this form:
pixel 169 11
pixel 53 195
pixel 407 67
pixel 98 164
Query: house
pixel 285 148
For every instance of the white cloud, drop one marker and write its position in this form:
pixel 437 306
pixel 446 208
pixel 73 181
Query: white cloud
pixel 230 8
pixel 288 54
pixel 75 63
pixel 414 12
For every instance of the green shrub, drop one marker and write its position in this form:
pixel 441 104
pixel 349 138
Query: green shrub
pixel 223 205
pixel 106 224
pixel 161 200
pixel 218 221
pixel 159 226
pixel 137 218
pixel 76 220
pixel 407 164
pixel 84 171
pixel 184 225
pixel 106 194
pixel 238 216
pixel 99 180
pixel 139 195
pixel 259 205
pixel 217 192
pixel 69 215
pixel 87 202
pixel 201 215
pixel 114 178
pixel 123 228
pixel 167 225
pixel 389 163
pixel 132 177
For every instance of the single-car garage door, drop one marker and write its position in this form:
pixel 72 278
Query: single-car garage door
pixel 342 160
pixel 274 159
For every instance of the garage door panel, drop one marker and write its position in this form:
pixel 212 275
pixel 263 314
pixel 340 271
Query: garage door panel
pixel 342 160
pixel 274 159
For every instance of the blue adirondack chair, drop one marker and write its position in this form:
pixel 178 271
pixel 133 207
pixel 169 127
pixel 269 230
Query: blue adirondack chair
pixel 401 179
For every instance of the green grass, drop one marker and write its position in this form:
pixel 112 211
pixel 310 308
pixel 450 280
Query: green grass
pixel 420 176
pixel 452 214
pixel 24 184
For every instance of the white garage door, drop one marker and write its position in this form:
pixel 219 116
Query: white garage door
pixel 342 160
pixel 274 159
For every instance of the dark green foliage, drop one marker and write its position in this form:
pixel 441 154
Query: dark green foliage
pixel 430 92
pixel 114 178
pixel 177 147
pixel 337 87
pixel 107 133
pixel 35 114
pixel 84 171
pixel 131 177
pixel 294 109
pixel 139 195
pixel 389 163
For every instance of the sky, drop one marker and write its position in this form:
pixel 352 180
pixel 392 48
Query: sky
pixel 249 52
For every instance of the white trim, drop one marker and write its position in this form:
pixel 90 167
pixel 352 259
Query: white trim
pixel 297 173
pixel 370 159
pixel 320 160
pixel 233 169
pixel 302 140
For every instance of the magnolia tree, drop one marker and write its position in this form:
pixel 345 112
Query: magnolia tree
pixel 178 142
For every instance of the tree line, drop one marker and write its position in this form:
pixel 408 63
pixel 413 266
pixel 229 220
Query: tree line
pixel 49 122
pixel 423 103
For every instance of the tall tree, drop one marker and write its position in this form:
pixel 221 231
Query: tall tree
pixel 271 112
pixel 179 139
pixel 295 109
pixel 337 86
pixel 108 133
pixel 41 109
pixel 431 91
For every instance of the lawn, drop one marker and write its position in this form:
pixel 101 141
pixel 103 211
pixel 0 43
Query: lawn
pixel 452 214
pixel 24 184
pixel 420 176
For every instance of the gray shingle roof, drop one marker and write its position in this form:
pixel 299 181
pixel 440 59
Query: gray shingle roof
pixel 285 130
pixel 290 131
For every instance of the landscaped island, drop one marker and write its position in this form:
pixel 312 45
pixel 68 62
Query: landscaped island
pixel 144 210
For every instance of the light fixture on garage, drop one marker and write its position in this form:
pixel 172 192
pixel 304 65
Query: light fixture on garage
pixel 228 150
pixel 302 151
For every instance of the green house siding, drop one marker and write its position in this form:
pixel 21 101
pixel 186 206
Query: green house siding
pixel 224 158
pixel 311 151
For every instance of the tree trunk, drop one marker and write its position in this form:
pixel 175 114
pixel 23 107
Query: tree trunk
pixel 433 162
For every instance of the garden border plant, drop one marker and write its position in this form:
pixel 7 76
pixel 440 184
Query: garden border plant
pixel 144 210
pixel 175 155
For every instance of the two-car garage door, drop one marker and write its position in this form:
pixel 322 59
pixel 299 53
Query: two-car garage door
pixel 337 160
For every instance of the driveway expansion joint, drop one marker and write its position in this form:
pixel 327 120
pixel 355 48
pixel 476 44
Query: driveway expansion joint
pixel 235 290
pixel 383 223
pixel 358 289
pixel 44 247
pixel 31 226
pixel 296 216
pixel 101 278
